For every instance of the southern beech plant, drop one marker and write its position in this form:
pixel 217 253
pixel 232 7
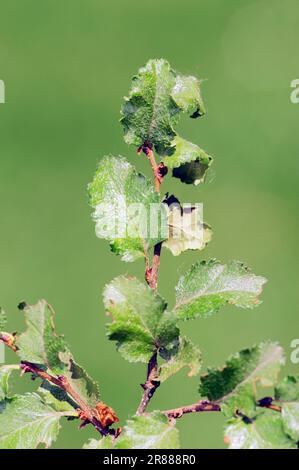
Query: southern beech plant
pixel 141 324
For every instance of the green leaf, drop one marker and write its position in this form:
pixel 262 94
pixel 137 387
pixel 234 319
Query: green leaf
pixel 150 431
pixel 186 94
pixel 5 372
pixel 104 443
pixel 57 398
pixel 187 231
pixel 264 432
pixel 188 162
pixel 126 207
pixel 287 392
pixel 209 285
pixel 187 355
pixel 157 96
pixel 140 324
pixel 41 345
pixel 3 319
pixel 26 422
pixel 234 384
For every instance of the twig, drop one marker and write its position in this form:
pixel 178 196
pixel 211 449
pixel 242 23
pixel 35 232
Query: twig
pixel 90 414
pixel 62 382
pixel 195 408
pixel 151 273
pixel 151 384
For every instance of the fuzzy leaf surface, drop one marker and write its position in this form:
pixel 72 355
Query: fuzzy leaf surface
pixel 188 162
pixel 209 285
pixel 234 384
pixel 140 325
pixel 26 422
pixel 158 95
pixel 265 432
pixel 125 205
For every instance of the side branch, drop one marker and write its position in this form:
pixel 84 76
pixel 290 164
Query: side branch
pixel 195 408
pixel 62 382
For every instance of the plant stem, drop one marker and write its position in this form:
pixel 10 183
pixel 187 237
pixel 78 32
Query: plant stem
pixel 62 382
pixel 195 408
pixel 151 384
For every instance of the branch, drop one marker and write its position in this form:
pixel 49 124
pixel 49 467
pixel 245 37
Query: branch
pixel 150 386
pixel 195 408
pixel 87 413
pixel 90 414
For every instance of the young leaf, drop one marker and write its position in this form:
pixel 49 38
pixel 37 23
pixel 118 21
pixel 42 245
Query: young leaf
pixel 188 162
pixel 187 355
pixel 287 392
pixel 5 372
pixel 187 231
pixel 140 324
pixel 209 285
pixel 234 384
pixel 151 431
pixel 26 422
pixel 125 204
pixel 157 96
pixel 264 432
pixel 41 345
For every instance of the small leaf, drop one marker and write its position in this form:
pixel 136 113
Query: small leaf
pixel 187 231
pixel 41 345
pixel 150 431
pixel 5 372
pixel 140 324
pixel 264 432
pixel 187 355
pixel 186 94
pixel 287 392
pixel 188 162
pixel 234 384
pixel 157 96
pixel 127 209
pixel 26 422
pixel 209 285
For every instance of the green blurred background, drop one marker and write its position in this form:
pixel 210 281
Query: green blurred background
pixel 66 65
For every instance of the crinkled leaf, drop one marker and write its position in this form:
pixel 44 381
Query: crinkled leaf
pixel 264 432
pixel 140 324
pixel 151 431
pixel 158 94
pixel 41 345
pixel 188 162
pixel 187 231
pixel 209 285
pixel 26 422
pixel 234 384
pixel 187 355
pixel 287 392
pixel 127 209
pixel 5 372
